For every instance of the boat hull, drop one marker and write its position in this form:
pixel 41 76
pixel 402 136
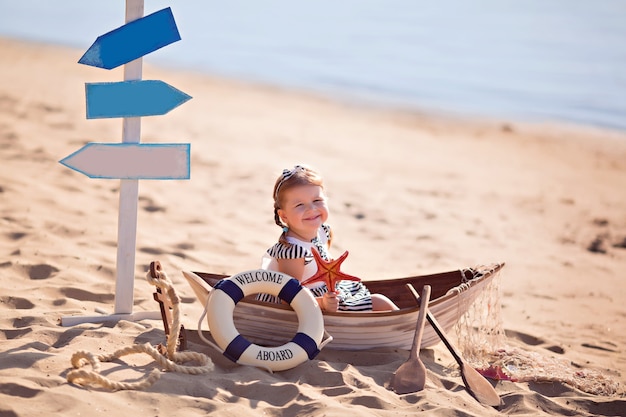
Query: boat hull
pixel 453 292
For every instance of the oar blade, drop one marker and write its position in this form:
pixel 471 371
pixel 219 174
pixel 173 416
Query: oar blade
pixel 410 377
pixel 479 387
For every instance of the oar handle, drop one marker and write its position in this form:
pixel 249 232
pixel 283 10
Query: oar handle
pixel 435 325
pixel 419 329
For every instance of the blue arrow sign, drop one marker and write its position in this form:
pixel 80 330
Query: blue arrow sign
pixel 133 40
pixel 132 161
pixel 132 99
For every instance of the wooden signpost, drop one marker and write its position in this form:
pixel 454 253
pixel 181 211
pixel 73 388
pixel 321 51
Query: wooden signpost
pixel 130 161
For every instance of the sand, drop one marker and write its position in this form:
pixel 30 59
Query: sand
pixel 410 193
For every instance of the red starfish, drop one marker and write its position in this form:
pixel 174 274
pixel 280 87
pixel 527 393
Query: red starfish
pixel 328 271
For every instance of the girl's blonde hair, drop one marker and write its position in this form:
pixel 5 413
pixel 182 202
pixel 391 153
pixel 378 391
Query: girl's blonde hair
pixel 298 175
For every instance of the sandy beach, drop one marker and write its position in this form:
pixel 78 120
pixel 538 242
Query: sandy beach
pixel 409 193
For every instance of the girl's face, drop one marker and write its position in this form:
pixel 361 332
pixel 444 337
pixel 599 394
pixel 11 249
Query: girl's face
pixel 304 209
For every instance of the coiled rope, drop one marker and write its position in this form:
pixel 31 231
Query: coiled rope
pixel 173 362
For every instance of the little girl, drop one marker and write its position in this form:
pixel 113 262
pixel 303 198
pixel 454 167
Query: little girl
pixel 300 209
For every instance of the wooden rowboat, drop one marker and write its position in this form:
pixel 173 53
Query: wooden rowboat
pixel 452 293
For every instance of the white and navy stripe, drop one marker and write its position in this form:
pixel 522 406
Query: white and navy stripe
pixel 353 296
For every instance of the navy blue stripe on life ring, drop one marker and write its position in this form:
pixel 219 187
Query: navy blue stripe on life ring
pixel 290 290
pixel 231 289
pixel 307 343
pixel 236 347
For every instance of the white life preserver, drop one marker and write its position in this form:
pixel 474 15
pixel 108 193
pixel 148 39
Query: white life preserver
pixel 306 344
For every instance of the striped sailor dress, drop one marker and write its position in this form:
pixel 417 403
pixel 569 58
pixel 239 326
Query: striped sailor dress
pixel 352 295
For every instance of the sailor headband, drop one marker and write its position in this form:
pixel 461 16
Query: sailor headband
pixel 287 173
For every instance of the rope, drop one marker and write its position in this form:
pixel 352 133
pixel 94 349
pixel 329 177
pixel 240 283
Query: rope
pixel 204 339
pixel 173 362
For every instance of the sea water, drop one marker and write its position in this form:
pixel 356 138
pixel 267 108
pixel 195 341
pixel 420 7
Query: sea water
pixel 527 60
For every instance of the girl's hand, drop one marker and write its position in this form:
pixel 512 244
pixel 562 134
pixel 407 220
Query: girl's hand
pixel 330 302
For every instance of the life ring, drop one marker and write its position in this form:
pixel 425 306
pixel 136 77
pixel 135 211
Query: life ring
pixel 307 342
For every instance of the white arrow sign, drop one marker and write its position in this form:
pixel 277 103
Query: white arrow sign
pixel 162 161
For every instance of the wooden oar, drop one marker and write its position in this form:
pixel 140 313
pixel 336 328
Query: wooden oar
pixel 475 383
pixel 411 375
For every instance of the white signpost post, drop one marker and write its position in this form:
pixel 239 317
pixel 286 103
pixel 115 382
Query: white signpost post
pixel 130 161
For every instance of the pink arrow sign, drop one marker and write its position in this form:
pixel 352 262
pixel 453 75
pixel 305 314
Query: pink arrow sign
pixel 154 161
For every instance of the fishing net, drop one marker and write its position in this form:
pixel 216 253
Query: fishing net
pixel 481 338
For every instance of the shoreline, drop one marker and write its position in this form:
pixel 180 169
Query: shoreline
pixel 382 105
